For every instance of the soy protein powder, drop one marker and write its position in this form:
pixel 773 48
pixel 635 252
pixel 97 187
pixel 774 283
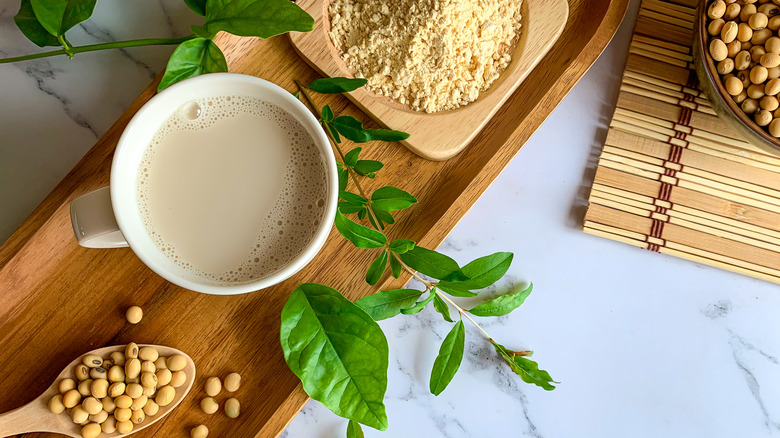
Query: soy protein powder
pixel 432 55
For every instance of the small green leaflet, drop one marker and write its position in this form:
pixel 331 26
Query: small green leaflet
pixel 352 198
pixel 440 306
pixel 417 308
pixel 433 264
pixel 401 246
pixel 354 430
pixel 338 351
pixel 352 129
pixel 395 267
pixel 327 113
pixel 376 269
pixel 455 290
pixel 347 208
pixel 388 303
pixel 503 304
pixel 259 18
pixel 343 177
pixel 449 359
pixel 482 273
pixel 390 198
pixel 527 369
pixel 367 167
pixel 336 85
pixel 28 23
pixel 359 235
pixel 57 16
pixel 334 133
pixel 199 6
pixel 192 58
pixel 351 157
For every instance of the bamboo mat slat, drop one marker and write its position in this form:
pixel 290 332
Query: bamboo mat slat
pixel 672 177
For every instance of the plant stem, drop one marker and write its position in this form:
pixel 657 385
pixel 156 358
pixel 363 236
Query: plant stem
pixel 317 111
pixel 70 51
pixel 428 285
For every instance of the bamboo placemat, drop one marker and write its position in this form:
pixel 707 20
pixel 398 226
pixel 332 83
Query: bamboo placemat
pixel 672 177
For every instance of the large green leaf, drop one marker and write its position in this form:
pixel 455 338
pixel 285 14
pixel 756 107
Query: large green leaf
pixel 390 198
pixel 433 264
pixel 199 6
pixel 360 236
pixel 354 430
pixel 527 369
pixel 336 85
pixel 503 304
pixel 260 18
pixel 485 271
pixel 338 351
pixel 28 23
pixel 388 303
pixel 192 58
pixel 449 359
pixel 57 16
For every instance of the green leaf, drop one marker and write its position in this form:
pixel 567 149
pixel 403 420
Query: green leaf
pixel 351 158
pixel 395 267
pixel 384 216
pixel 485 271
pixel 343 178
pixel 503 304
pixel 28 23
pixel 327 113
pixel 336 85
pixel 449 359
pixel 433 264
pixel 339 353
pixel 352 129
pixel 199 6
pixel 418 306
pixel 347 208
pixel 391 198
pixel 193 58
pixel 388 303
pixel 367 167
pixel 362 214
pixel 527 369
pixel 440 306
pixel 334 132
pixel 354 430
pixel 57 16
pixel 453 289
pixel 297 94
pixel 359 235
pixel 258 18
pixel 400 246
pixel 352 198
pixel 376 269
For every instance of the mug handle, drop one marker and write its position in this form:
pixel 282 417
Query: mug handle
pixel 93 221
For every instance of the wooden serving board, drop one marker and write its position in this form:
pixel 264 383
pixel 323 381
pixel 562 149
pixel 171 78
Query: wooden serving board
pixel 58 300
pixel 442 135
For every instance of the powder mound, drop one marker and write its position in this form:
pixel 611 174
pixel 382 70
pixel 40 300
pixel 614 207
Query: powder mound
pixel 432 55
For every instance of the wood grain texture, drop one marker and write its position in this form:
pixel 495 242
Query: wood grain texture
pixel 442 135
pixel 59 300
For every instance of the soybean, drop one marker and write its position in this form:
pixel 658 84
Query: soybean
pixel 163 377
pixel 161 363
pixel 118 358
pixel 147 366
pixel 148 353
pixel 123 401
pixel 71 398
pixel 108 404
pixel 123 414
pixel 149 391
pixel 81 371
pixel 124 427
pixel 132 368
pixel 92 405
pixel 55 404
pixel 131 351
pixel 98 373
pixel 177 362
pixel 91 430
pixel 79 415
pixel 66 385
pixel 716 9
pixel 134 390
pixel 232 408
pixel 165 396
pixel 109 426
pixel 99 388
pixel 213 386
pixel 85 387
pixel 177 379
pixel 116 389
pixel 718 50
pixel 151 408
pixel 92 360
pixel 99 417
pixel 134 314
pixel 139 403
pixel 233 382
pixel 200 431
pixel 729 32
pixel 149 380
pixel 209 405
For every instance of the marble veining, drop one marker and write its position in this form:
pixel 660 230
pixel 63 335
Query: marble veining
pixel 644 345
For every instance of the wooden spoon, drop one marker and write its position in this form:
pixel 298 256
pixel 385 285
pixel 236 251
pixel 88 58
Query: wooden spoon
pixel 36 416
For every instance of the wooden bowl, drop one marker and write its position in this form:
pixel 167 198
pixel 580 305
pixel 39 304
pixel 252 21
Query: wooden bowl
pixel 721 101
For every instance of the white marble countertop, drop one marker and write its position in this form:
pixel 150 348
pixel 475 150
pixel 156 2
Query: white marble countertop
pixel 644 345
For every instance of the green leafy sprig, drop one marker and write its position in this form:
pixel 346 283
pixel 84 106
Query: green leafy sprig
pixel 45 22
pixel 334 346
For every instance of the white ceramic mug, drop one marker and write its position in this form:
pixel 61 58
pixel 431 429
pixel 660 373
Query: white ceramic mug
pixel 110 217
